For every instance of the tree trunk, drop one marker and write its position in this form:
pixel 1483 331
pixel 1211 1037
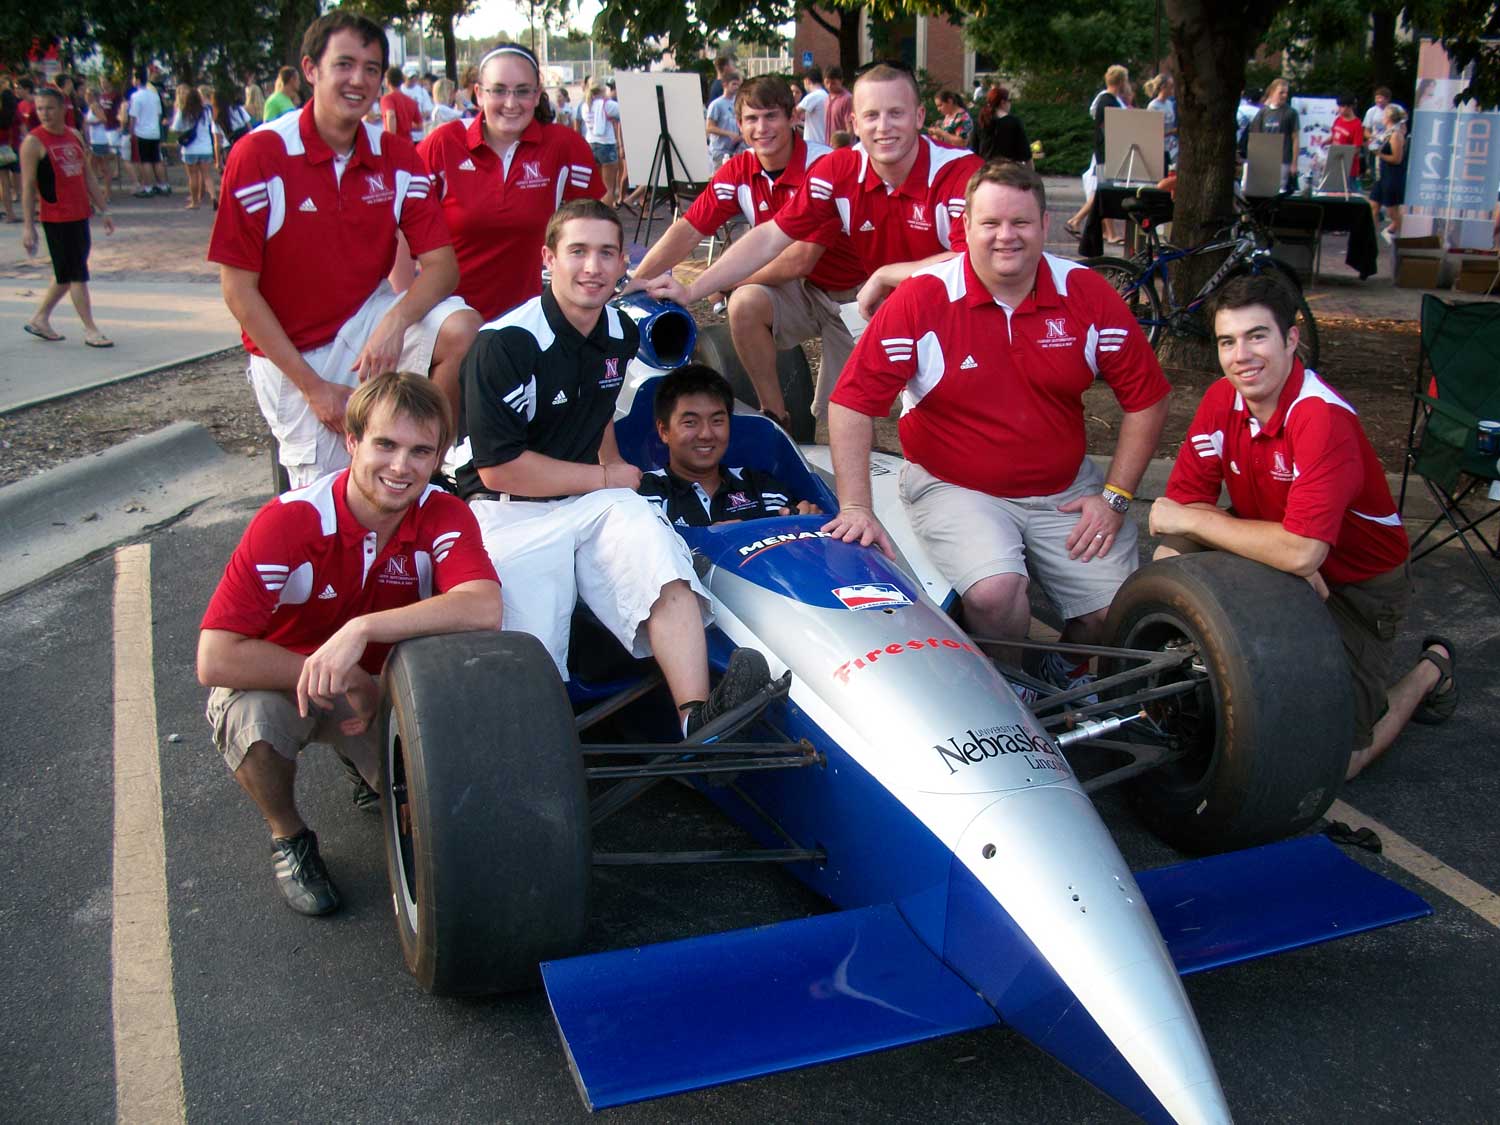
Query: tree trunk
pixel 292 18
pixel 450 47
pixel 1210 39
pixel 849 45
pixel 1383 47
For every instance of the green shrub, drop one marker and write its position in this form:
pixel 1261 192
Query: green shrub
pixel 1066 133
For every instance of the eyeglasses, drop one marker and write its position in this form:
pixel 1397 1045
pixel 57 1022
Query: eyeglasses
pixel 500 93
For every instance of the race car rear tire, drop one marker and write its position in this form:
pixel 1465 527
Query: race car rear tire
pixel 716 348
pixel 1269 730
pixel 485 811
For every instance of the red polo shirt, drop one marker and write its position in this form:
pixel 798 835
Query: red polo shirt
pixel 1310 468
pixel 844 195
pixel 320 243
pixel 498 217
pixel 408 113
pixel 992 399
pixel 306 566
pixel 742 186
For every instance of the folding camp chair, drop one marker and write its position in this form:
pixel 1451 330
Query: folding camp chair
pixel 1457 385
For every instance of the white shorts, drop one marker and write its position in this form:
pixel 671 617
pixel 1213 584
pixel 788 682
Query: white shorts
pixel 310 449
pixel 612 549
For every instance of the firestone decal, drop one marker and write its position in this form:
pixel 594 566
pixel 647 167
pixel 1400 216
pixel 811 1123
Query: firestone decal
pixel 842 672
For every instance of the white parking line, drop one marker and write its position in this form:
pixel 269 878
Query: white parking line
pixel 148 1058
pixel 1425 866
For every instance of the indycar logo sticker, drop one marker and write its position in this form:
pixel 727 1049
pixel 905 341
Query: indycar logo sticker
pixel 871 595
pixel 761 546
pixel 897 648
pixel 972 747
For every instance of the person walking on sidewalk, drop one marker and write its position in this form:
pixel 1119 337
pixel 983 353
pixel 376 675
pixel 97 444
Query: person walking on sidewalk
pixel 57 180
pixel 146 112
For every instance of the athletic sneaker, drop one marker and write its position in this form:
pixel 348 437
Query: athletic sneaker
pixel 1062 673
pixel 747 674
pixel 301 875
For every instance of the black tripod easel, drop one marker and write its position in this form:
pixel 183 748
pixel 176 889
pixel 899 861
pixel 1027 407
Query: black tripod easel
pixel 661 159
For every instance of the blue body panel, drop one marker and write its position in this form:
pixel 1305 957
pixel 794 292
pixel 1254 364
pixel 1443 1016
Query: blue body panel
pixel 643 1023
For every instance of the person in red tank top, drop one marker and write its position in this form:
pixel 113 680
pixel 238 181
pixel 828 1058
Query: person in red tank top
pixel 55 174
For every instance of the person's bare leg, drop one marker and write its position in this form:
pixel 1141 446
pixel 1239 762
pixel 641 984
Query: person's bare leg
pixel 675 629
pixel 42 318
pixel 751 328
pixel 84 306
pixel 1400 701
pixel 453 341
pixel 1085 630
pixel 1396 211
pixel 271 782
pixel 997 606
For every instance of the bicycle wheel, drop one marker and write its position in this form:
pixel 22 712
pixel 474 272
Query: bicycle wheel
pixel 1137 291
pixel 1307 325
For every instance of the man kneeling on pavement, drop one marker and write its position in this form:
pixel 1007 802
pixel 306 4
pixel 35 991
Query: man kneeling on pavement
pixel 693 408
pixel 556 501
pixel 325 580
pixel 1308 496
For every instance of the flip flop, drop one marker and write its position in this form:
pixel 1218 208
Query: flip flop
pixel 51 338
pixel 1438 705
pixel 1073 230
pixel 99 342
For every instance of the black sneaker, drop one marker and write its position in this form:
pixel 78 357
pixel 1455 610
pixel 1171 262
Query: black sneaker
pixel 747 674
pixel 301 875
pixel 365 799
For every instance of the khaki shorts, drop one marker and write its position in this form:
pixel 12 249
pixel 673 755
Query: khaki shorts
pixel 1368 616
pixel 611 549
pixel 972 535
pixel 310 449
pixel 242 718
pixel 800 312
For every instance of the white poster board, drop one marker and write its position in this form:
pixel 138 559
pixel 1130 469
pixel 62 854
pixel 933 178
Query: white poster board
pixel 1146 130
pixel 1315 118
pixel 1263 164
pixel 641 124
pixel 1338 170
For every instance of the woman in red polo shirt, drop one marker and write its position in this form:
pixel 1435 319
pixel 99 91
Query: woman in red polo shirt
pixel 500 176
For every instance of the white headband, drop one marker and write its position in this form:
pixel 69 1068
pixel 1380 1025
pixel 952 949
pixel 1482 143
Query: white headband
pixel 510 50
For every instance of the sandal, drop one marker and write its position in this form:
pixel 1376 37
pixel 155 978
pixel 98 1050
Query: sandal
pixel 1072 229
pixel 1438 705
pixel 98 340
pixel 49 335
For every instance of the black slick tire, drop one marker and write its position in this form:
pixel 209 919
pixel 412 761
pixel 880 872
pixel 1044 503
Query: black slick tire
pixel 1269 730
pixel 485 811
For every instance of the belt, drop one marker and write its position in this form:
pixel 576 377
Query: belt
pixel 513 498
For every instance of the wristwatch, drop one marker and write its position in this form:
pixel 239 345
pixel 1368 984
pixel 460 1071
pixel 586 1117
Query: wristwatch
pixel 1117 500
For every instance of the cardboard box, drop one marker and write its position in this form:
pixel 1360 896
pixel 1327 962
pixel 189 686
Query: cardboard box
pixel 1478 276
pixel 1418 273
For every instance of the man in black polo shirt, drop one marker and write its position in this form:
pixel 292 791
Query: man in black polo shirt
pixel 555 501
pixel 693 408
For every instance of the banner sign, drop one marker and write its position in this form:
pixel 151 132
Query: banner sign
pixel 1453 172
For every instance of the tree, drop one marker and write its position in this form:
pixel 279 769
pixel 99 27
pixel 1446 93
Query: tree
pixel 636 34
pixel 1062 47
pixel 843 25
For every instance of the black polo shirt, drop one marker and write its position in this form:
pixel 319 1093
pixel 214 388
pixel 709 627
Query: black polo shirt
pixel 532 382
pixel 743 494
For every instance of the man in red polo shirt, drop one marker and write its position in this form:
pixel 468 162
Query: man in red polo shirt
pixel 797 296
pixel 991 352
pixel 326 579
pixel 305 238
pixel 1307 496
pixel 895 200
pixel 399 112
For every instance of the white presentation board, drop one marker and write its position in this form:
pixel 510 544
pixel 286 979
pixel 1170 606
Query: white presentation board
pixel 1263 152
pixel 641 123
pixel 1143 128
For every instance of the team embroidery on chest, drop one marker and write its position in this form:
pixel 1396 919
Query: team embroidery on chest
pixel 376 189
pixel 1056 334
pixel 397 572
pixel 532 175
pixel 611 377
pixel 919 218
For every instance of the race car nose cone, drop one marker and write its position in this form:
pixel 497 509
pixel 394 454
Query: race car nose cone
pixel 1086 975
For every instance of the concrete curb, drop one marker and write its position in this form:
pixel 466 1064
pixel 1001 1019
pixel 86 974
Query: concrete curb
pixel 76 510
pixel 41 400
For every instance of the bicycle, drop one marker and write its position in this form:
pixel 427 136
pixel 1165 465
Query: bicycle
pixel 1145 278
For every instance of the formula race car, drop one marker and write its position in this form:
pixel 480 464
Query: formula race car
pixel 892 767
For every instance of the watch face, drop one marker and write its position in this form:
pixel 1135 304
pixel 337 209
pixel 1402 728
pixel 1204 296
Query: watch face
pixel 1116 501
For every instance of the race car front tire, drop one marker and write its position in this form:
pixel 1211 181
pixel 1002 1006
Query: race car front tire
pixel 1269 729
pixel 716 348
pixel 485 811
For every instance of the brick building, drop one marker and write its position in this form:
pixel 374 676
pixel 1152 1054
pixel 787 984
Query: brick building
pixel 928 43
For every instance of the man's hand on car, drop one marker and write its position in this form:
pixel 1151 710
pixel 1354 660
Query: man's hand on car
pixel 855 522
